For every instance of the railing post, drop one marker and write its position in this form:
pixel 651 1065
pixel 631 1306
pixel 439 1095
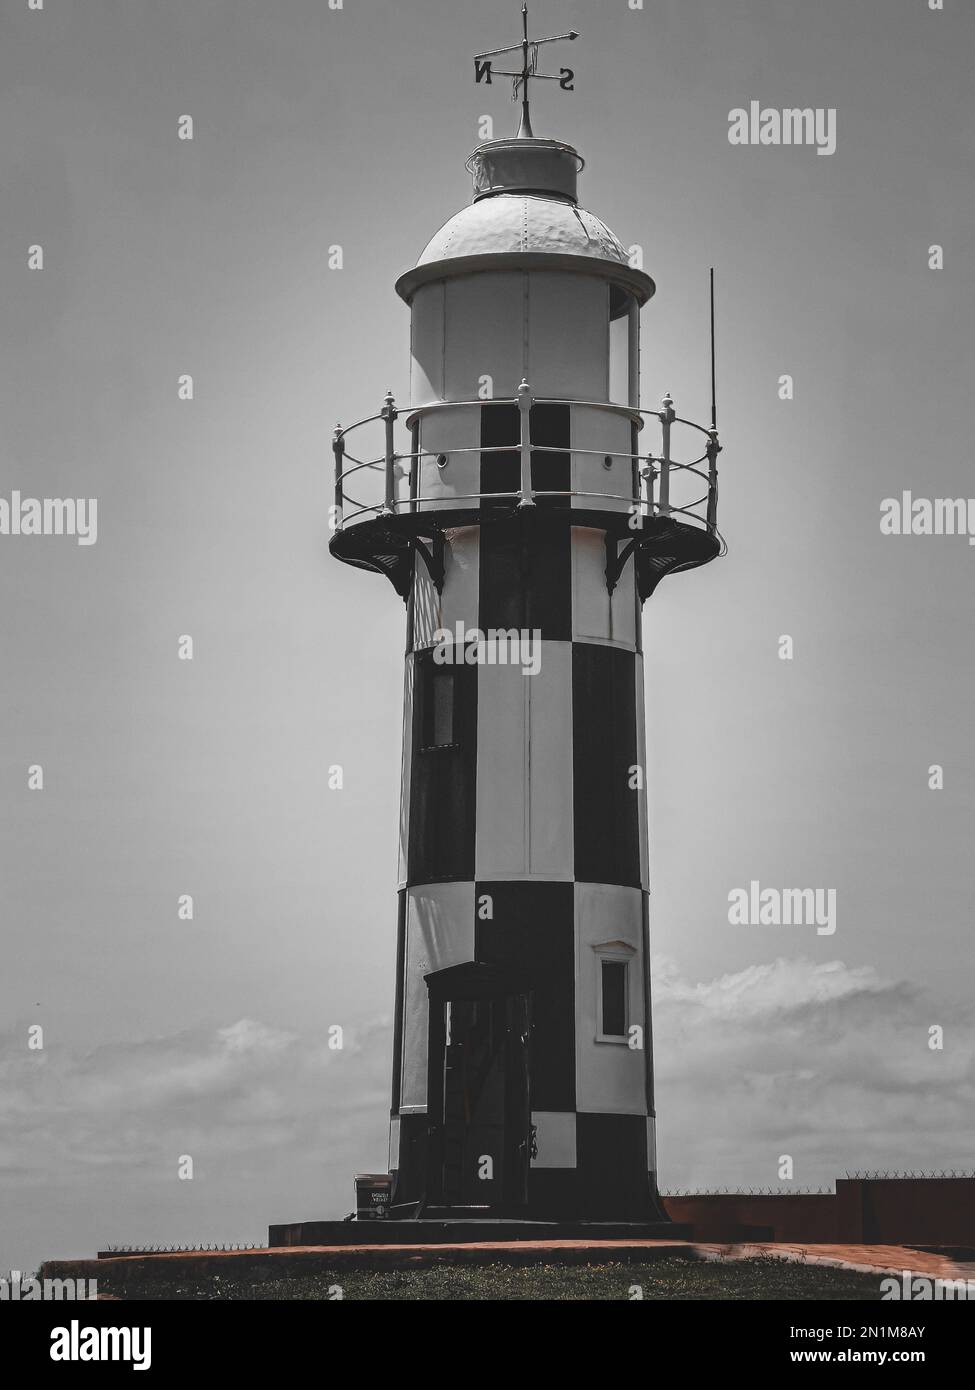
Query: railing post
pixel 389 414
pixel 667 417
pixel 526 497
pixel 648 474
pixel 338 449
pixel 713 450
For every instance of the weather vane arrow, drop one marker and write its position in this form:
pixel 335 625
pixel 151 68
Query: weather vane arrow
pixel 484 70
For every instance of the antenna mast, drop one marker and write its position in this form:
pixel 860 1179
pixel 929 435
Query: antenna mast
pixel 714 408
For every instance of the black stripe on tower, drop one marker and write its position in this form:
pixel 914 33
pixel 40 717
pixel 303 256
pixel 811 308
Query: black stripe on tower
pixel 411 1159
pixel 443 771
pixel 613 1183
pixel 604 751
pixel 553 1194
pixel 532 929
pixel 525 561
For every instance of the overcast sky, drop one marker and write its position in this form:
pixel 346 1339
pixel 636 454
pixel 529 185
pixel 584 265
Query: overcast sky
pixel 163 777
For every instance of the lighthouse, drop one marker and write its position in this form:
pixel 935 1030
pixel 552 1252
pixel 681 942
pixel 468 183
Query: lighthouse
pixel 524 506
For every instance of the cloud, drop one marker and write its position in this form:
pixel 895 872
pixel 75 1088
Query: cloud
pixel 113 1102
pixel 824 1062
pixel 276 1124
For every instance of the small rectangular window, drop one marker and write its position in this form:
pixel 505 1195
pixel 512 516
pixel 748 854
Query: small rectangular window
pixel 614 998
pixel 438 707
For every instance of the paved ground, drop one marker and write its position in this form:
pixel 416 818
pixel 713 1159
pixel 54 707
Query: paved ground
pixel 865 1259
pixel 880 1259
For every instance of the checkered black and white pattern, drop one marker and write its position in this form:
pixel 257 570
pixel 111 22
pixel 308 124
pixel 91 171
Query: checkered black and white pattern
pixel 535 807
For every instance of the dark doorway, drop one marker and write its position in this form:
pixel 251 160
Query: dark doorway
pixel 478 1099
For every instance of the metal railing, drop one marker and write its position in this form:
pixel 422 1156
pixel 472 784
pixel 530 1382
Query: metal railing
pixel 650 494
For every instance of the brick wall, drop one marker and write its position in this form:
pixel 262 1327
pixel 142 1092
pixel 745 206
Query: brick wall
pixel 882 1211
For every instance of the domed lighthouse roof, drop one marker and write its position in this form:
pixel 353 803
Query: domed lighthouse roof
pixel 525 215
pixel 524 200
pixel 525 212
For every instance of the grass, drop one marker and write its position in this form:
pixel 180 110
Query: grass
pixel 670 1278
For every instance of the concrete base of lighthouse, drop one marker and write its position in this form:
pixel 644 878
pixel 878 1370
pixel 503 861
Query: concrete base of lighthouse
pixel 464 1232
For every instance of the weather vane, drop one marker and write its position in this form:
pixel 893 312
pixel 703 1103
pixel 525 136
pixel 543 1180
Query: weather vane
pixel 484 69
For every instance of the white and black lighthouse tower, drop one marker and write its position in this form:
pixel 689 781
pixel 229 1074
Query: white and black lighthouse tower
pixel 524 506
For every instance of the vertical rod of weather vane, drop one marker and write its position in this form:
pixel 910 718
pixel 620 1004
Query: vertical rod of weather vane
pixel 389 414
pixel 526 497
pixel 338 449
pixel 525 129
pixel 667 417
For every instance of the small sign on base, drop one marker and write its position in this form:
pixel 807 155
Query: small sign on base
pixel 372 1194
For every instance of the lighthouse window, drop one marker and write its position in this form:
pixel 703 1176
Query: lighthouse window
pixel 438 707
pixel 613 999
